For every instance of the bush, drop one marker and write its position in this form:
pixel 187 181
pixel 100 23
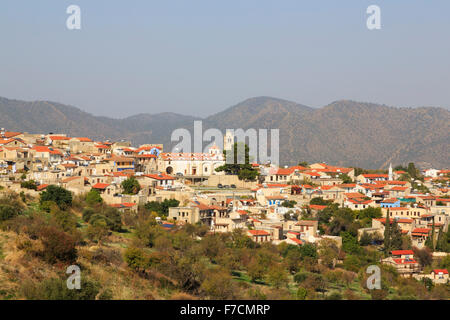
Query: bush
pixel 58 245
pixel 334 296
pixel 366 239
pixel 162 208
pixel 302 293
pixel 108 218
pixel 61 196
pixel 8 212
pixel 56 289
pixel 136 259
pixel 131 186
pixel 277 277
pixel 217 285
pixel 114 219
pixel 87 214
pixel 93 197
pixel 66 220
pixel 28 185
pixel 300 277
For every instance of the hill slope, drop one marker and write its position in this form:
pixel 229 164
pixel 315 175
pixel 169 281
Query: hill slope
pixel 343 132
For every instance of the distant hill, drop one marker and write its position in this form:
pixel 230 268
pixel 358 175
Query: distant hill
pixel 344 132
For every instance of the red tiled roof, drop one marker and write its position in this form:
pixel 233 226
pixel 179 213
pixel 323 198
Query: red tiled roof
pixel 405 220
pixel 47 149
pixel 359 201
pixel 161 176
pixel 444 271
pixel 354 195
pixel 391 200
pixel 402 252
pixel 375 175
pixel 317 207
pixel 284 171
pixel 100 185
pixel 42 187
pixel 421 230
pixel 83 139
pixel 5 141
pixel 70 179
pixel 258 233
pixel 101 146
pixel 347 185
pixel 54 138
pixel 10 134
pixel 298 241
pixel 146 156
pixel 398 188
pixel 383 220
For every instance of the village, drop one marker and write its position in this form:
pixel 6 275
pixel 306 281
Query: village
pixel 282 205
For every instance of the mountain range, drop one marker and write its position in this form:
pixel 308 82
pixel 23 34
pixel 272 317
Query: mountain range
pixel 345 132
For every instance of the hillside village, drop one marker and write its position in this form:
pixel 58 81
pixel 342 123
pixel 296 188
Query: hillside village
pixel 299 205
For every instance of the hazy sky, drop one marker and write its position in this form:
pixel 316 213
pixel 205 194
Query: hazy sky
pixel 201 56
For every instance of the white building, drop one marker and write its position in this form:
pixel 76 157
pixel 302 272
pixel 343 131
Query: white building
pixel 192 164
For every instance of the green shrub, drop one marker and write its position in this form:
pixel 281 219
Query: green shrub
pixel 61 196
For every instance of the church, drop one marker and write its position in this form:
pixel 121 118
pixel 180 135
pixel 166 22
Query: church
pixel 195 165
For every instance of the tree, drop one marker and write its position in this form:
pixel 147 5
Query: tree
pixel 365 239
pixel 135 259
pixel 387 234
pixel 319 201
pixel 29 185
pixel 240 165
pixel 316 282
pixel 114 218
pixel 396 236
pixel 131 186
pixel 328 252
pixel 87 214
pixel 277 277
pixel 303 164
pixel 109 217
pixel 308 250
pixel 349 243
pixel 218 285
pixel 93 197
pixel 98 231
pixel 162 208
pixel 412 171
pixel 424 256
pixel 345 178
pixel 430 239
pixel 442 241
pixel 255 270
pixel 59 195
pixel 289 203
pixel 66 220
